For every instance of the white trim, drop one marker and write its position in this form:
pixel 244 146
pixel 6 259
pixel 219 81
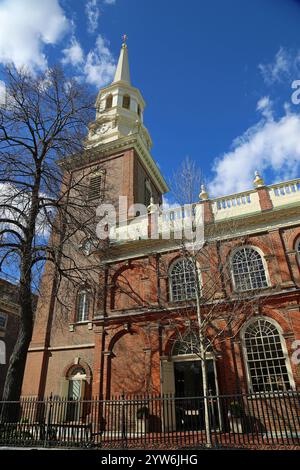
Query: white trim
pixel 282 342
pixel 191 357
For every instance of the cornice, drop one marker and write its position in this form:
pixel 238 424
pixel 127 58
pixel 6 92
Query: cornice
pixel 124 143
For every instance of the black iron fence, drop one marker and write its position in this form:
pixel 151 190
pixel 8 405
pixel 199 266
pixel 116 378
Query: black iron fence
pixel 153 421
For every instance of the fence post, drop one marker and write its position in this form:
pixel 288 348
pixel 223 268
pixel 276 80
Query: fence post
pixel 48 420
pixel 124 433
pixel 211 408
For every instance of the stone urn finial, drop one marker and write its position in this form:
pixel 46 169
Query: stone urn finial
pixel 258 180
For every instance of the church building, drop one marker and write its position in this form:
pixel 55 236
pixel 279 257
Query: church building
pixel 141 337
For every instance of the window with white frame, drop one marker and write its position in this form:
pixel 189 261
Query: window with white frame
pixel 83 305
pixel 182 280
pixel 266 360
pixel 188 343
pixel 248 270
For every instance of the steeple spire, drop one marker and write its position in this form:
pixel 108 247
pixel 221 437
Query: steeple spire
pixel 122 71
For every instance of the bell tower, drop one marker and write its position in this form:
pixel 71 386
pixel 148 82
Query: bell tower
pixel 119 124
pixel 119 108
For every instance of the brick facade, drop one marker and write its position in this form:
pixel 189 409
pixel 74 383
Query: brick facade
pixel 129 332
pixel 127 341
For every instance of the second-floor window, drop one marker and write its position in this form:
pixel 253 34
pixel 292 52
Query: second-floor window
pixel 182 280
pixel 248 270
pixel 83 305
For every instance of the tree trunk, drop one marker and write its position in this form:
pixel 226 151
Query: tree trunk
pixel 16 368
pixel 203 358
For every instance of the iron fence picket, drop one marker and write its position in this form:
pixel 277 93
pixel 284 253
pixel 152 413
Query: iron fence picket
pixel 145 420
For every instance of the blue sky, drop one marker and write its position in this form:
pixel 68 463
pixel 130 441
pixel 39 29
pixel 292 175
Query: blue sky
pixel 216 75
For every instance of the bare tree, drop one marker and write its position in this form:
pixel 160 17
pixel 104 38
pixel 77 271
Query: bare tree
pixel 43 123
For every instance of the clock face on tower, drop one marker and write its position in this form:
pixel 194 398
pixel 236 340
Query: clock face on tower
pixel 103 128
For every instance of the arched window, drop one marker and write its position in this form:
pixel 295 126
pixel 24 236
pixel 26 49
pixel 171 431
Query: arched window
pixel 126 102
pixel 266 360
pixel 139 110
pixel 108 101
pixel 83 305
pixel 182 280
pixel 297 248
pixel 248 270
pixel 189 343
pixel 76 392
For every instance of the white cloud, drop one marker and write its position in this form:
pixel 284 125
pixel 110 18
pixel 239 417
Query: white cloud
pixel 93 13
pixel 73 54
pixel 270 145
pixel 97 67
pixel 284 67
pixel 26 27
pixel 100 65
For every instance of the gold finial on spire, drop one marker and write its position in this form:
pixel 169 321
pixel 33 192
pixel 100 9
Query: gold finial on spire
pixel 124 37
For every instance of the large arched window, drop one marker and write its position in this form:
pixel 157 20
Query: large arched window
pixel 248 269
pixel 265 357
pixel 83 305
pixel 297 248
pixel 182 280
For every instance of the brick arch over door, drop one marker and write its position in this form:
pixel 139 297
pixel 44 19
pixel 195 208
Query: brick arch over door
pixel 129 368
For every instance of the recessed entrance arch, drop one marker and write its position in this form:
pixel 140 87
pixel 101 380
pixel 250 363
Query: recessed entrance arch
pixel 181 377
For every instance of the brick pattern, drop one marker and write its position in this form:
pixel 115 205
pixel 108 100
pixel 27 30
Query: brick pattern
pixel 124 347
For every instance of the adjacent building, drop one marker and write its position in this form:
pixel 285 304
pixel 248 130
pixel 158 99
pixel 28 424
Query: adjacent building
pixel 9 325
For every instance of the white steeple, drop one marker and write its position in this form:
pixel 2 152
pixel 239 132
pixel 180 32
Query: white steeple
pixel 122 70
pixel 119 108
pixel 119 120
